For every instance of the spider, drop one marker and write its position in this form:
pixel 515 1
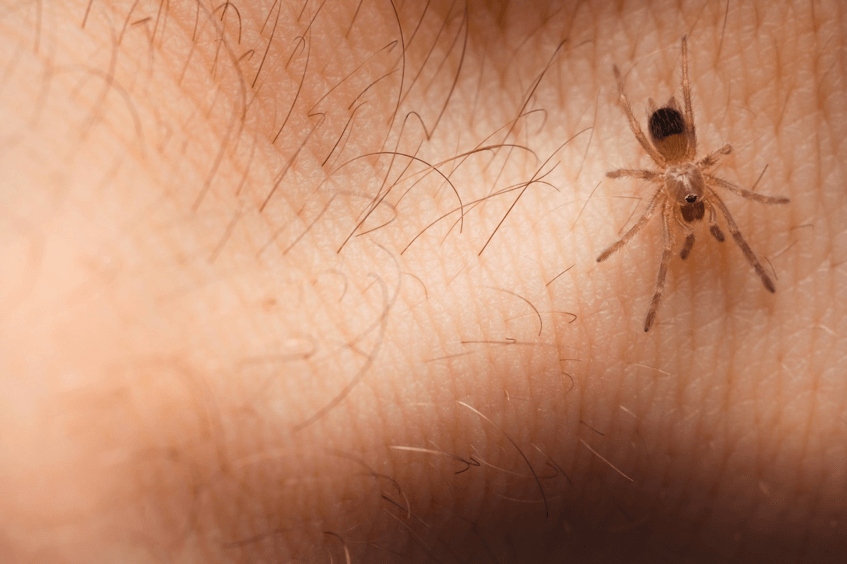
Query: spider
pixel 686 187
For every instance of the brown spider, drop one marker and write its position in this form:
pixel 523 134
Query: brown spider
pixel 685 190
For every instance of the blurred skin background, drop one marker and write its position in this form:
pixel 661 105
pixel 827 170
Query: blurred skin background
pixel 316 282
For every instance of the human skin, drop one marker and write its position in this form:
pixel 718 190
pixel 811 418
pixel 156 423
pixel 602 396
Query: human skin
pixel 200 364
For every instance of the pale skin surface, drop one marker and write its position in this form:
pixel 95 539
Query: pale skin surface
pixel 187 379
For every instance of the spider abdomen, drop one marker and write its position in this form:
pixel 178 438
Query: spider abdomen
pixel 667 130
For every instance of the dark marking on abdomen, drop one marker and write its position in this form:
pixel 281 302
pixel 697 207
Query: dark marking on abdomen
pixel 666 122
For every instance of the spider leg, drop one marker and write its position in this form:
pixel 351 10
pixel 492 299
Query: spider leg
pixel 713 223
pixel 712 158
pixel 633 123
pixel 640 173
pixel 715 181
pixel 689 233
pixel 663 271
pixel 742 244
pixel 686 95
pixel 651 207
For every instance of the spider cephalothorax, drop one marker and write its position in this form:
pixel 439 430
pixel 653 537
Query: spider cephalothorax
pixel 685 191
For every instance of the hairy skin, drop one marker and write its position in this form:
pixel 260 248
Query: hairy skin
pixel 216 349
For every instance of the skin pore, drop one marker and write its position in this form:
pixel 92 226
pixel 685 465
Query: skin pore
pixel 303 281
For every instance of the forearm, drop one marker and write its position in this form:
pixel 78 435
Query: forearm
pixel 291 294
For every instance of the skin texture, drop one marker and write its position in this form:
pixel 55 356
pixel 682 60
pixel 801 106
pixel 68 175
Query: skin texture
pixel 215 349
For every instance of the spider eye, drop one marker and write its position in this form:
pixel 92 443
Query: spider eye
pixel 691 198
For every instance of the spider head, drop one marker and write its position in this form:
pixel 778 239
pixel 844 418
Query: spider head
pixel 667 130
pixel 686 186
